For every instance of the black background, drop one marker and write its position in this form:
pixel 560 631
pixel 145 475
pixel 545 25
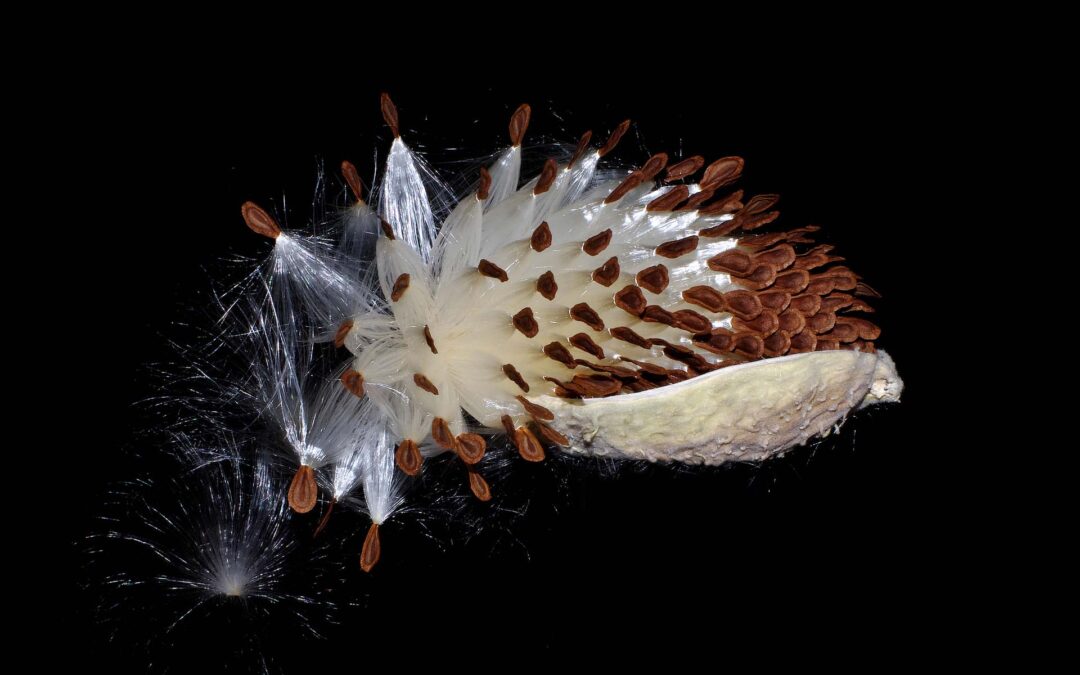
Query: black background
pixel 831 542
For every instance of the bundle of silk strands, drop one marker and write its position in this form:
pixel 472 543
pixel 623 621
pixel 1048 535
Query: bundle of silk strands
pixel 644 317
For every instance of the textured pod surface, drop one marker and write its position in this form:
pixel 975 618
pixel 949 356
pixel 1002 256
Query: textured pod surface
pixel 743 413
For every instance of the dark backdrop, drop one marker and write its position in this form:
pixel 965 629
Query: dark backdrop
pixel 830 542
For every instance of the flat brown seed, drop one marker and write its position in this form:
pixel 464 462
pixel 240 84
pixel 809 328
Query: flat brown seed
pixel 354 382
pixel 748 223
pixel 718 341
pixel 777 301
pixel 259 221
pixel 511 372
pixel 536 411
pixel 723 171
pixel 490 269
pixel 728 204
pixel 519 123
pixel 705 296
pixel 654 166
pixel 813 260
pixel 629 183
pixel 764 324
pixel 806 304
pixel 430 340
pixel 408 458
pixel 760 204
pixel 556 351
pixel 677 248
pixel 303 490
pixel 824 345
pixel 682 169
pixel 777 344
pixel 779 257
pixel 608 273
pixel 804 341
pixel 425 384
pixel 631 299
pixel 587 345
pixel 597 385
pixel 690 320
pixel 342 333
pixel 479 486
pixel 389 113
pixel 401 284
pixel 615 137
pixel 743 304
pixel 528 445
pixel 670 199
pixel 547 177
pixel 597 243
pixel 546 286
pixel 586 315
pixel 388 231
pixel 834 302
pixel 582 146
pixel 525 323
pixel 471 447
pixel 508 425
pixel 792 281
pixel 627 335
pixel 791 321
pixel 867 329
pixel 843 332
pixel 372 550
pixel 617 371
pixel 552 436
pixel 541 237
pixel 696 200
pixel 440 432
pixel 721 230
pixel 352 179
pixel 732 261
pixel 657 314
pixel 759 278
pixel 822 322
pixel 653 279
pixel 483 191
pixel 866 290
pixel 749 345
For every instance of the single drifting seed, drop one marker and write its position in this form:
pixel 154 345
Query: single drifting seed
pixel 352 179
pixel 614 139
pixel 519 123
pixel 372 550
pixel 303 490
pixel 688 166
pixel 259 221
pixel 390 114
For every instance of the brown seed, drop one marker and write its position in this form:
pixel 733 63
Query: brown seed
pixel 440 432
pixel 684 168
pixel 759 278
pixel 617 371
pixel 401 284
pixel 547 177
pixel 728 204
pixel 779 257
pixel 556 351
pixel 372 550
pixel 843 279
pixel 822 322
pixel 760 204
pixel 777 301
pixel 627 335
pixel 858 305
pixel 511 372
pixel 525 323
pixel 812 260
pixel 408 458
pixel 471 447
pixel 536 411
pixel 582 146
pixel 842 332
pixel 303 490
pixel 867 330
pixel 354 382
pixel 586 344
pixel 387 230
pixel 342 333
pixel 677 248
pixel 430 340
pixel 552 436
pixel 792 281
pixel 696 200
pixel 259 221
pixel 528 445
pixel 484 190
pixel 325 520
pixel 705 296
pixel 352 179
pixel 657 314
pixel 608 273
pixel 425 384
pixel 670 199
pixel 718 341
pixel 721 230
pixel 764 324
pixel 804 341
pixel 820 285
pixel 597 243
pixel 824 345
pixel 479 486
pixel 508 425
pixel 390 114
pixel 807 304
pixel 732 261
pixel 631 299
pixel 723 171
pixel 866 290
pixel 777 344
pixel 648 368
pixel 690 320
pixel 749 345
pixel 836 301
pixel 653 279
pixel 743 304
pixel 519 122
pixel 791 321
pixel 490 269
pixel 615 137
pixel 748 223
pixel 586 315
pixel 546 286
pixel 655 165
pixel 629 183
pixel 761 241
pixel 596 385
pixel 541 237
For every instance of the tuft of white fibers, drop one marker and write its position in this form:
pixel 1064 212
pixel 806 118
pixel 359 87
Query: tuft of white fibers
pixel 383 492
pixel 312 284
